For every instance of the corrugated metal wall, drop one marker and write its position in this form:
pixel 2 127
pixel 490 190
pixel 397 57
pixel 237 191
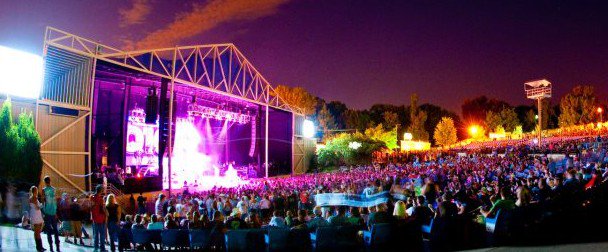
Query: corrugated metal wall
pixel 65 139
pixel 67 77
pixel 72 139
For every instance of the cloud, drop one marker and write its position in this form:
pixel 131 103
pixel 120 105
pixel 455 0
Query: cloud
pixel 136 14
pixel 204 17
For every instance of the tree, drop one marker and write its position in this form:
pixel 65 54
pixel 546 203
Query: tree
pixel 518 132
pixel 445 132
pixel 338 150
pixel 506 118
pixel 388 137
pixel 417 119
pixel 474 110
pixel 338 110
pixel 31 162
pixel 525 114
pixel 357 119
pixel 391 120
pixel 434 115
pixel 326 121
pixel 6 122
pixel 20 158
pixel 296 97
pixel 500 130
pixel 577 106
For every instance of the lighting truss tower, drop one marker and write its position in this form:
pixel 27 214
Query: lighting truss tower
pixel 538 90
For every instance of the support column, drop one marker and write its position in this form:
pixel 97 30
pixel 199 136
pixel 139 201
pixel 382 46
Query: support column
pixel 266 143
pixel 89 169
pixel 293 142
pixel 227 142
pixel 170 140
pixel 540 120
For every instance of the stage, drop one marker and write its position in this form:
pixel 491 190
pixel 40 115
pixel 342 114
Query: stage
pixel 212 139
pixel 157 119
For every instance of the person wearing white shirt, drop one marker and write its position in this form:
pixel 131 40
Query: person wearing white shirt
pixel 265 207
pixel 243 206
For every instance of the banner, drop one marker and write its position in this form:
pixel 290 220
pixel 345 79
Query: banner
pixel 354 200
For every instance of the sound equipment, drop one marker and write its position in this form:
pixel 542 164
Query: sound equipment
pixel 151 106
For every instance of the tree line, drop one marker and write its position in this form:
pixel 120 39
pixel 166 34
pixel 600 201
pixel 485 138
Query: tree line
pixel 423 120
pixel 20 160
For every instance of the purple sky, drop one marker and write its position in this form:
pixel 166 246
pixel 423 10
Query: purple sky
pixel 358 52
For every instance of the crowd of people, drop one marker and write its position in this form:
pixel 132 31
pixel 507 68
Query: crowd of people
pixel 472 186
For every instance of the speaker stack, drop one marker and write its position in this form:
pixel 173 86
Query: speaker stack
pixel 151 106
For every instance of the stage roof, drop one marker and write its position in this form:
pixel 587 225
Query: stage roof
pixel 219 68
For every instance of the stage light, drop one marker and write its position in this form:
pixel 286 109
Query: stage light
pixel 21 73
pixel 407 136
pixel 474 131
pixel 308 129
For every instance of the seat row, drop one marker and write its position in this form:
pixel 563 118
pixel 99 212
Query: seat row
pixel 266 239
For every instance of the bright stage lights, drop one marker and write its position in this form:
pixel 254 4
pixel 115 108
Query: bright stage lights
pixel 474 131
pixel 308 129
pixel 354 145
pixel 21 73
pixel 407 136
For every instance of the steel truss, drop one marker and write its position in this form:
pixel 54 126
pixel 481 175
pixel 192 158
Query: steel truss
pixel 220 68
pixel 70 63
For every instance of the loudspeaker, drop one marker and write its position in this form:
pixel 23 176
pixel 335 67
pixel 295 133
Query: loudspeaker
pixel 151 106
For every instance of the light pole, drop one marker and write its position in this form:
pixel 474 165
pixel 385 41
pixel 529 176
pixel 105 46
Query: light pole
pixel 600 111
pixel 538 90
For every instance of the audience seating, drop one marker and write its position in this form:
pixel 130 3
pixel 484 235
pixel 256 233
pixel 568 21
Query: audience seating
pixel 145 236
pixel 323 238
pixel 277 239
pixel 347 237
pixel 492 222
pixel 199 238
pixel 245 240
pixel 299 240
pixel 426 229
pixel 175 238
pixel 379 236
pixel 125 238
pixel 497 228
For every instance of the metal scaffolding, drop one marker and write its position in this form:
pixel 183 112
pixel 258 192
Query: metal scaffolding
pixel 70 63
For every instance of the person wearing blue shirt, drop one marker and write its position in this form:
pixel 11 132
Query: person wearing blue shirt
pixel 318 220
pixel 50 213
pixel 339 219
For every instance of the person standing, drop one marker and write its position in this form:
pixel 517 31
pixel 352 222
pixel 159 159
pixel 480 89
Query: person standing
pixel 159 206
pixel 76 215
pixel 63 214
pixel 113 210
pixel 99 213
pixel 132 207
pixel 36 217
pixel 50 213
pixel 141 204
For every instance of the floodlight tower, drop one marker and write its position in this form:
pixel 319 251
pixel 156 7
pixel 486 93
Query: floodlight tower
pixel 538 90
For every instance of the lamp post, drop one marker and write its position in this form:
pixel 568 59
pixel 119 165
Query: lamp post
pixel 538 90
pixel 600 111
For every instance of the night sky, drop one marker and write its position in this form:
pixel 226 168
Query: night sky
pixel 357 52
